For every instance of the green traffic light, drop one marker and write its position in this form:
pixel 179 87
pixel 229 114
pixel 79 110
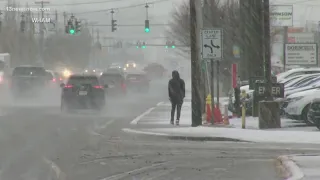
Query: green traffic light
pixel 137 47
pixel 71 31
pixel 173 46
pixel 143 47
pixel 147 30
pixel 167 47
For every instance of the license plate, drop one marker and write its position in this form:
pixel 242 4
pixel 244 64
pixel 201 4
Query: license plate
pixel 83 93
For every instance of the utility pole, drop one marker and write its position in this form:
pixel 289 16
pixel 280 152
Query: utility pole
pixel 65 18
pixel 266 47
pixel 195 76
pixel 42 27
pixel 202 82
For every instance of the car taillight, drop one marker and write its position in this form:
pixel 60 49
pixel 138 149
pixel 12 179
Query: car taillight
pixel 54 80
pixel 98 87
pixel 1 78
pixel 68 86
pixel 123 86
pixel 61 79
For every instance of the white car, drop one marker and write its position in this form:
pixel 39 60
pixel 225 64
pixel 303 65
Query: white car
pixel 297 104
pixel 301 80
pixel 297 71
pixel 313 84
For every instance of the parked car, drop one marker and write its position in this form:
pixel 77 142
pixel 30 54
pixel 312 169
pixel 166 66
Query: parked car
pixel 314 113
pixel 296 105
pixel 297 71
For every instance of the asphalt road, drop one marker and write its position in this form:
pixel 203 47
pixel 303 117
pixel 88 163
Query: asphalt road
pixel 38 142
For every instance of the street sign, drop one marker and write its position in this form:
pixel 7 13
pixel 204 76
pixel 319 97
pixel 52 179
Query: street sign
pixel 212 44
pixel 254 80
pixel 301 54
pixel 277 90
pixel 281 15
pixel 236 51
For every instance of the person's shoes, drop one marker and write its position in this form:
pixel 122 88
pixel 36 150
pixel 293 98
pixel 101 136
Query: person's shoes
pixel 177 122
pixel 171 122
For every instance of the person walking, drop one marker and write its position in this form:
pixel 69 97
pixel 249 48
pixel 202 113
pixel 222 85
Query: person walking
pixel 176 89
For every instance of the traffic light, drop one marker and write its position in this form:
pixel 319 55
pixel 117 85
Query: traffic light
pixel 70 27
pixel 170 44
pixel 146 26
pixel 173 45
pixel 78 26
pixel 22 26
pixel 143 45
pixel 113 25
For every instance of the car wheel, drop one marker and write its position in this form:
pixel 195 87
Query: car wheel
pixel 304 115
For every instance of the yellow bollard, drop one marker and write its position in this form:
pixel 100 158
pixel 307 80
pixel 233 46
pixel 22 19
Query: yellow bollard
pixel 243 115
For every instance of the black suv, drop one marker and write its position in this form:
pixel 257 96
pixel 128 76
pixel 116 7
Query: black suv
pixel 82 92
pixel 28 80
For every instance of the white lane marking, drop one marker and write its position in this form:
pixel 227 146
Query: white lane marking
pixel 127 130
pixel 99 127
pixel 130 173
pixel 137 119
pixel 95 130
pixel 59 174
pixel 160 103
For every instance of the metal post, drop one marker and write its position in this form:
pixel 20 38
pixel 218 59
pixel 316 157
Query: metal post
pixel 208 75
pixel 218 82
pixel 212 90
pixel 285 40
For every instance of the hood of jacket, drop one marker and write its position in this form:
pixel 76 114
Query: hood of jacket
pixel 175 75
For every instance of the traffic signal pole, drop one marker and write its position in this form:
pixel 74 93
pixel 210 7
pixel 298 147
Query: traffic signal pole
pixel 41 43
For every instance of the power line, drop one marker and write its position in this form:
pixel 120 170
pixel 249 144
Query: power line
pixel 130 25
pixel 86 3
pixel 124 7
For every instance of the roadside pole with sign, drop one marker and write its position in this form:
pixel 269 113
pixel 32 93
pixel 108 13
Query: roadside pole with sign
pixel 212 49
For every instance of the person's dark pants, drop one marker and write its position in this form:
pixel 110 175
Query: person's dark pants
pixel 176 105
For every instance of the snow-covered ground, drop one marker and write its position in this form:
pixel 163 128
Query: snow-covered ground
pixel 302 166
pixel 291 131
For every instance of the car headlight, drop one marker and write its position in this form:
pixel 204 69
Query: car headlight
pixel 127 65
pixel 124 68
pixel 134 65
pixel 66 73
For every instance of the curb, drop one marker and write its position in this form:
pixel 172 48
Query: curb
pixel 288 169
pixel 182 137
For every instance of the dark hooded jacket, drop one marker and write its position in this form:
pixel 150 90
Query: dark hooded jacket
pixel 176 87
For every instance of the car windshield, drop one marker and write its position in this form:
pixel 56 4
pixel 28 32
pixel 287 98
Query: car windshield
pixel 29 71
pixel 80 80
pixel 309 82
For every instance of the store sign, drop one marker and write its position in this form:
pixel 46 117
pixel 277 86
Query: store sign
pixel 281 15
pixel 300 38
pixel 301 54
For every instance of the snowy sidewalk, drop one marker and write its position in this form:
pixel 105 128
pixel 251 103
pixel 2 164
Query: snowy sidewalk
pixel 160 114
pixel 300 167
